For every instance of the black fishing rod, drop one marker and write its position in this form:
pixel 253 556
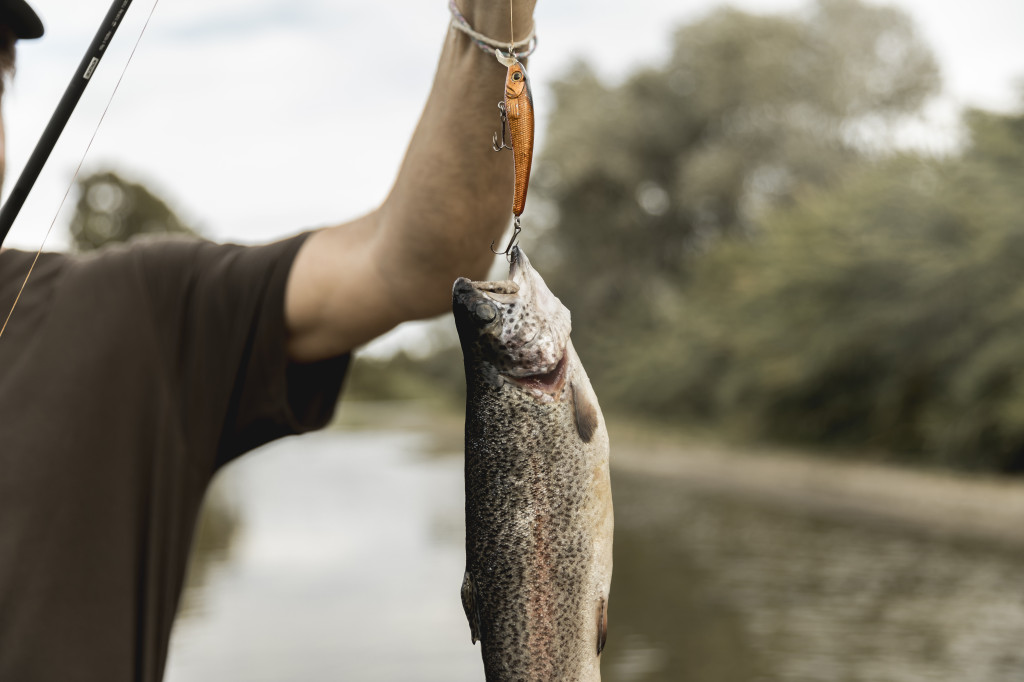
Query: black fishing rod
pixel 60 117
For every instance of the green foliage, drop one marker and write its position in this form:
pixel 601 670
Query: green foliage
pixel 747 110
pixel 111 209
pixel 645 176
pixel 734 250
pixel 886 312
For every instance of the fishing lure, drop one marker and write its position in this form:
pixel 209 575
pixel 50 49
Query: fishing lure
pixel 517 126
pixel 517 119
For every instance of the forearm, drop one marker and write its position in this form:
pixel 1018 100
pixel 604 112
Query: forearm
pixel 452 197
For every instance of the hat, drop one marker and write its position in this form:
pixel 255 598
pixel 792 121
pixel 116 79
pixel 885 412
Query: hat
pixel 21 19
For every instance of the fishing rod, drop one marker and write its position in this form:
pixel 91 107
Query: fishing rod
pixel 61 114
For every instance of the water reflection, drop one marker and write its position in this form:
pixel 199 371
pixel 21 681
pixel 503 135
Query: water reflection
pixel 348 566
pixel 348 558
pixel 724 590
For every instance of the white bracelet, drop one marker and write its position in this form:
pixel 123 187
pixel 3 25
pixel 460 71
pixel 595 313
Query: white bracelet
pixel 505 50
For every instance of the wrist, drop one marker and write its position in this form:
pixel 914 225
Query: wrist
pixel 492 17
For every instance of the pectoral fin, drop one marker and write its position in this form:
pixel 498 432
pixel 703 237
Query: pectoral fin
pixel 586 414
pixel 602 624
pixel 469 603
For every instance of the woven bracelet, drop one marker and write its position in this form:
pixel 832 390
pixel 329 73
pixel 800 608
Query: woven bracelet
pixel 490 45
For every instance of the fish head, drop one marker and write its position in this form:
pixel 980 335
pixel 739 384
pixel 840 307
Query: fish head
pixel 517 326
pixel 515 80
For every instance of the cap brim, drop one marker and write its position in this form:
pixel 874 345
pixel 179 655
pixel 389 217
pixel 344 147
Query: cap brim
pixel 21 19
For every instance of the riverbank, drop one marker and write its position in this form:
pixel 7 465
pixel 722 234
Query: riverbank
pixel 932 503
pixel 937 503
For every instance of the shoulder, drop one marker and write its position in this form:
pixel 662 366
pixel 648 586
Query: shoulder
pixel 15 264
pixel 157 261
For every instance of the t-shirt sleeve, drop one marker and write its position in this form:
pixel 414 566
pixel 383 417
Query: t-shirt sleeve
pixel 218 314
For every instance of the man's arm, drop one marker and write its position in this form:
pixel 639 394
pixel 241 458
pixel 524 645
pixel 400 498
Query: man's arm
pixel 452 197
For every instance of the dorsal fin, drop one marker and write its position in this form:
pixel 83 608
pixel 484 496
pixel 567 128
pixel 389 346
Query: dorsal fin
pixel 586 414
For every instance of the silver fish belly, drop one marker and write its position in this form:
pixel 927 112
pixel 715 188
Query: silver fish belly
pixel 538 493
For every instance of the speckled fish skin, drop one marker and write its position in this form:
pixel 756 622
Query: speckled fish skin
pixel 519 110
pixel 538 493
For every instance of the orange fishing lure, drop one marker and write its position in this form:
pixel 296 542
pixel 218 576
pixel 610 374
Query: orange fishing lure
pixel 517 117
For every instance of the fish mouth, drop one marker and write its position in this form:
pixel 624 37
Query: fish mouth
pixel 550 381
pixel 517 327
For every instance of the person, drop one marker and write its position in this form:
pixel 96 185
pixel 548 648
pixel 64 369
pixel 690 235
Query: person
pixel 128 377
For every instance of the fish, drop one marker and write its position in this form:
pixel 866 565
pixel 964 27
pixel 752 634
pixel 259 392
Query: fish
pixel 518 111
pixel 539 517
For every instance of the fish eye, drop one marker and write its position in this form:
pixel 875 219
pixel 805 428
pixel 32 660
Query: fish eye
pixel 517 76
pixel 485 312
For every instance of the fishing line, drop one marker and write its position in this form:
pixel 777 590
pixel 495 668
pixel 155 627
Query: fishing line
pixel 81 161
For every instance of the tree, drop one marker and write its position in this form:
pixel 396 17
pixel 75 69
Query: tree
pixel 736 249
pixel 886 312
pixel 111 209
pixel 747 110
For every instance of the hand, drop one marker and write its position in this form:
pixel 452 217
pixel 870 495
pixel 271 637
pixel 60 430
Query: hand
pixel 491 17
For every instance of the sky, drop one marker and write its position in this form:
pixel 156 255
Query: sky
pixel 260 118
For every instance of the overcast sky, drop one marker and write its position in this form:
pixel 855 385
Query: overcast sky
pixel 258 118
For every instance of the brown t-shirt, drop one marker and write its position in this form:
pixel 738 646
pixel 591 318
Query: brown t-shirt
pixel 127 378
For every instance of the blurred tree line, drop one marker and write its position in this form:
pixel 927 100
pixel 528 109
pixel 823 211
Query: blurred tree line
pixel 737 246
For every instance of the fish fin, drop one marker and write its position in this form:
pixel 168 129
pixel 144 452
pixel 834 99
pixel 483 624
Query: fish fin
pixel 586 414
pixel 512 108
pixel 602 624
pixel 470 606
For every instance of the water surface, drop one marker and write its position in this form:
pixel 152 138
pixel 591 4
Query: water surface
pixel 339 556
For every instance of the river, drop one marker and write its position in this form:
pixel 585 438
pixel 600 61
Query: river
pixel 339 556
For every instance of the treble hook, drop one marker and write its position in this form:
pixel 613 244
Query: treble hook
pixel 516 229
pixel 494 136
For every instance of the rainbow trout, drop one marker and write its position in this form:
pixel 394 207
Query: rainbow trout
pixel 538 495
